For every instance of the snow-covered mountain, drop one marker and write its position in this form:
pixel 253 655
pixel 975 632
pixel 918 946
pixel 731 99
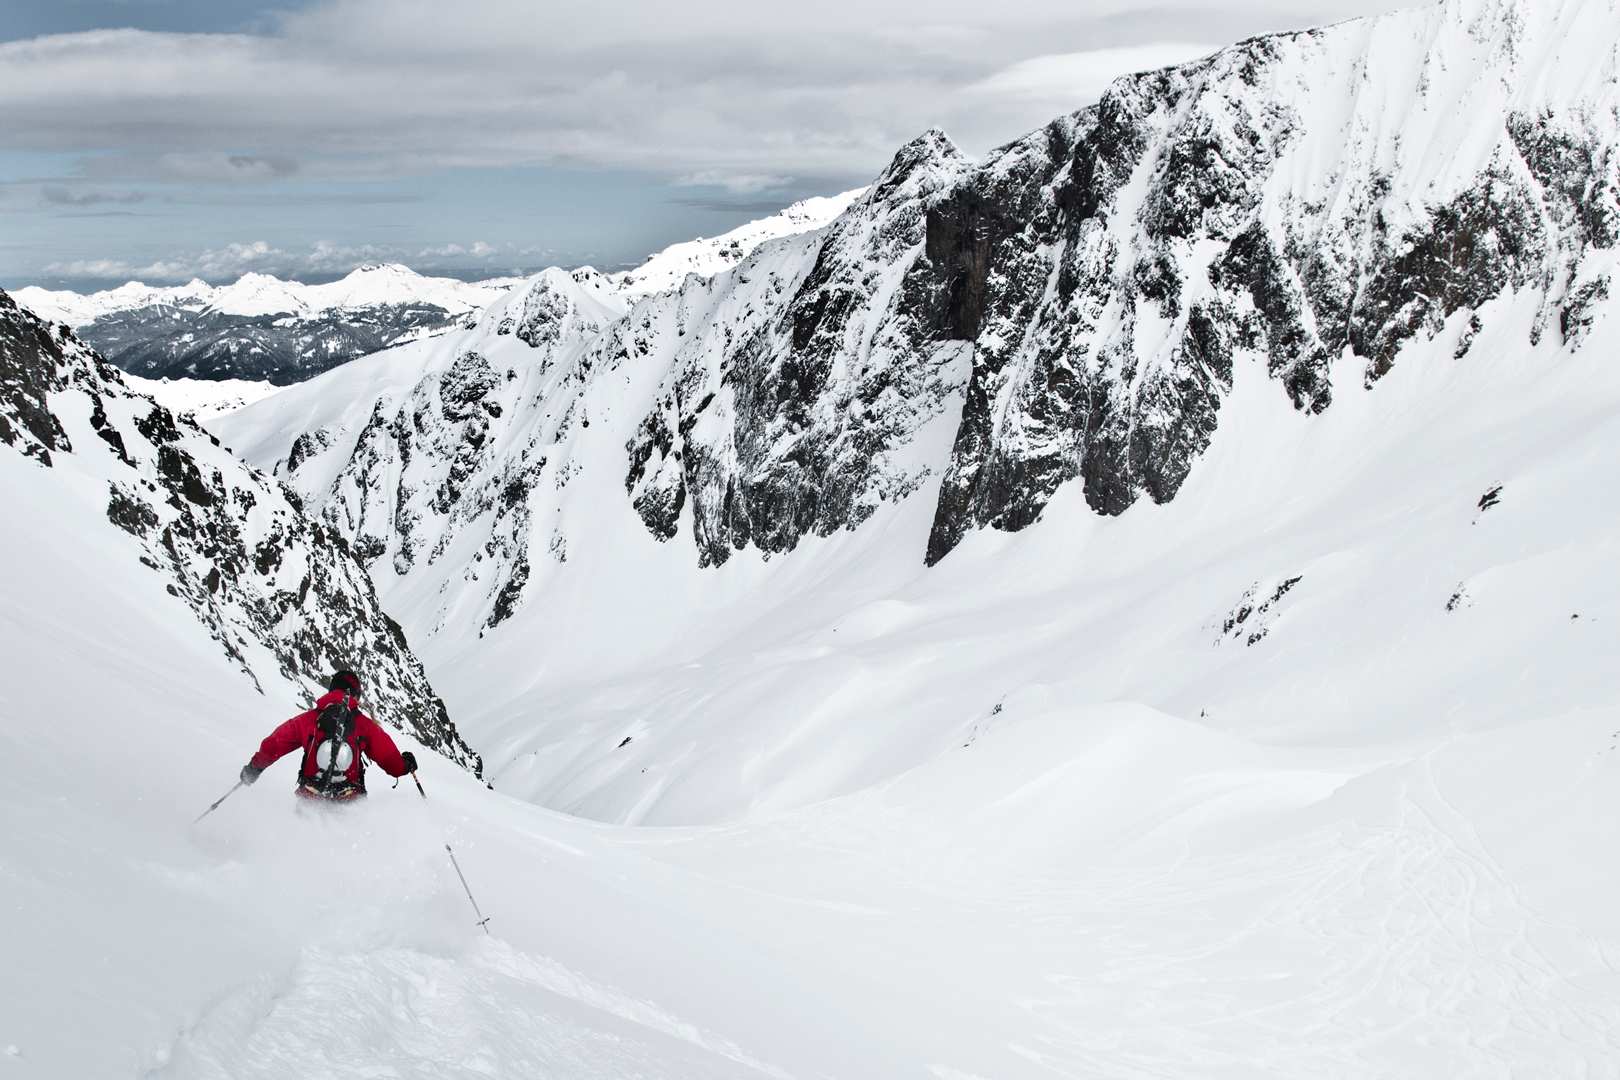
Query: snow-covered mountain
pixel 1304 765
pixel 254 295
pixel 667 269
pixel 260 327
pixel 1229 255
pixel 201 398
pixel 282 596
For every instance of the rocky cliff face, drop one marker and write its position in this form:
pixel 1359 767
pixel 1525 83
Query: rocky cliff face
pixel 1258 204
pixel 1107 272
pixel 276 589
pixel 800 376
pixel 1077 307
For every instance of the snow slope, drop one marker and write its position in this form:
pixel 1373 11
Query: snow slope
pixel 667 269
pixel 1308 771
pixel 1100 891
pixel 1081 890
pixel 201 397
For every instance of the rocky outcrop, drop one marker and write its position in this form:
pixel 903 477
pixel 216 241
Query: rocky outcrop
pixel 804 370
pixel 271 585
pixel 423 469
pixel 29 372
pixel 561 307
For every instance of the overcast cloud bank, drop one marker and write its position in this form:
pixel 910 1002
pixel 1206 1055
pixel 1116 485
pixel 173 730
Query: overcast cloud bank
pixel 750 99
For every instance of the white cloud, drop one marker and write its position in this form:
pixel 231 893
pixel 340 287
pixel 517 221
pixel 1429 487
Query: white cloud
pixel 478 250
pixel 736 183
pixel 233 260
pixel 1082 76
pixel 735 90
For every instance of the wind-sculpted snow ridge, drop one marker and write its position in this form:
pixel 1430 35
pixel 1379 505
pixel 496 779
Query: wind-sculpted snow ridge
pixel 667 269
pixel 261 327
pixel 272 587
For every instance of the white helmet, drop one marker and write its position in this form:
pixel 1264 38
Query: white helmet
pixel 324 752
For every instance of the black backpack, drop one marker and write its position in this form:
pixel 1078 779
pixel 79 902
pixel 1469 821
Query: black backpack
pixel 337 723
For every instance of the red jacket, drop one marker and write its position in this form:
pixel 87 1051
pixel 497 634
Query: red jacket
pixel 368 738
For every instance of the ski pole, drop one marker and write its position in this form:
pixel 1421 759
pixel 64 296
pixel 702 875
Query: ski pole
pixel 481 920
pixel 221 799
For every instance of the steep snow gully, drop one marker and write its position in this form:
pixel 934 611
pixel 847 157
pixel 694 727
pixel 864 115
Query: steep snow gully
pixel 848 711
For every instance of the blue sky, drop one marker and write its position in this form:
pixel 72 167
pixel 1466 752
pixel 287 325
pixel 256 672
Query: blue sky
pixel 162 139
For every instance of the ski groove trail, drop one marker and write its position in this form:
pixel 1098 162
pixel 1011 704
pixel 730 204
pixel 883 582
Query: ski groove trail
pixel 1386 940
pixel 402 1012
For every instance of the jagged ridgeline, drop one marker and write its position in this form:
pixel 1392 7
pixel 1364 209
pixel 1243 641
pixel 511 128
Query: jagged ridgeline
pixel 1080 306
pixel 272 586
pixel 1109 270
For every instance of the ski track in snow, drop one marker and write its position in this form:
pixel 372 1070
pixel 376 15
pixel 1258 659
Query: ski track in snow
pixel 1355 949
pixel 489 1011
pixel 1397 950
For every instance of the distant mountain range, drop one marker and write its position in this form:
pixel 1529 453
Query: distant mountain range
pixel 261 328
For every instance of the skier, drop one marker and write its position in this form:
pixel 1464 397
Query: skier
pixel 333 735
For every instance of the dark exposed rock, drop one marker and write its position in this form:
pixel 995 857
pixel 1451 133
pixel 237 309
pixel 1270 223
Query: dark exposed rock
pixel 464 388
pixel 1579 310
pixel 1579 173
pixel 30 359
pixel 1487 239
pixel 1052 395
pixel 1294 355
pixel 776 427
